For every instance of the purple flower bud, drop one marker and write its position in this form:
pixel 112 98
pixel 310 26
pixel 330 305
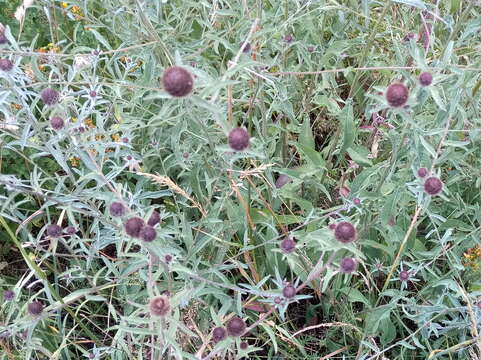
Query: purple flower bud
pixel 332 226
pixel 282 180
pixel 93 94
pixel 56 123
pixel 185 155
pixel 218 334
pixel 426 78
pixel 168 259
pixel 244 345
pixel 125 140
pixel 3 39
pixel 345 232
pixel 288 245
pixel 9 295
pixel 50 96
pixel 35 308
pixel 154 218
pixel 289 291
pixel 159 305
pixel 147 233
pixel 403 275
pixel 70 230
pixel 348 265
pixel 239 139
pixel 236 326
pixel 6 65
pixel 54 230
pixel 311 48
pixel 356 201
pixel 133 226
pixel 422 172
pixel 117 209
pixel 433 186
pixel 397 94
pixel 277 300
pixel 177 81
pixel 288 38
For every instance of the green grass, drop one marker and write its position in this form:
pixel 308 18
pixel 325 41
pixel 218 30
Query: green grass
pixel 315 109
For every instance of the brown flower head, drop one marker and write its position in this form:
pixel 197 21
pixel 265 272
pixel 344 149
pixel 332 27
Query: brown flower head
pixel 236 326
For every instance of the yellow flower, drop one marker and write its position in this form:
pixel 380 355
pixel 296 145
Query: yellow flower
pixel 74 161
pixel 99 137
pixel 90 124
pixel 74 119
pixel 64 4
pixel 116 137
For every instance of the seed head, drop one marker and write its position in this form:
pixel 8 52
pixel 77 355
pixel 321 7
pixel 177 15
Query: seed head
pixel 147 233
pixel 218 334
pixel 177 81
pixel 397 94
pixel 345 232
pixel 288 245
pixel 282 180
pixel 236 326
pixel 50 96
pixel 154 218
pixel 289 291
pixel 8 295
pixel 404 275
pixel 117 209
pixel 159 305
pixel 348 265
pixel 247 48
pixel 244 345
pixel 426 78
pixel 6 65
pixel 433 186
pixel 56 123
pixel 35 308
pixel 133 226
pixel 422 172
pixel 239 139
pixel 54 230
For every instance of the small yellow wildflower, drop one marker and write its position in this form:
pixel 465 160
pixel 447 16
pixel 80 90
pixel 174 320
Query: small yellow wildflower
pixel 64 4
pixel 74 119
pixel 116 137
pixel 99 137
pixel 89 122
pixel 74 161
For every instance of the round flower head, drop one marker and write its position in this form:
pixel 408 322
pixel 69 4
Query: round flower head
pixel 3 39
pixel 154 218
pixel 50 96
pixel 282 180
pixel 70 230
pixel 8 295
pixel 404 275
pixel 56 123
pixel 239 139
pixel 168 258
pixel 159 305
pixel 6 65
pixel 247 47
pixel 177 81
pixel 244 345
pixel 422 172
pixel 147 233
pixel 236 326
pixel 219 334
pixel 117 209
pixel 356 201
pixel 397 94
pixel 35 308
pixel 332 226
pixel 288 245
pixel 289 291
pixel 133 226
pixel 348 265
pixel 54 230
pixel 345 232
pixel 311 48
pixel 288 38
pixel 433 186
pixel 426 78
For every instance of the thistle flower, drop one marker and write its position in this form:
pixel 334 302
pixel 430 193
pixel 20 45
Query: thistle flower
pixel 422 172
pixel 3 39
pixel 426 78
pixel 70 230
pixel 288 245
pixel 282 180
pixel 56 123
pixel 133 226
pixel 236 326
pixel 345 232
pixel 239 139
pixel 356 201
pixel 289 291
pixel 433 185
pixel 168 258
pixel 117 209
pixel 244 345
pixel 54 230
pixel 159 305
pixel 177 81
pixel 35 308
pixel 397 94
pixel 218 334
pixel 154 218
pixel 9 295
pixel 404 275
pixel 147 233
pixel 6 65
pixel 348 265
pixel 50 96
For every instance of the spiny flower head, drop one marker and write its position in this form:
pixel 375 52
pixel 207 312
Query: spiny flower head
pixel 426 78
pixel 54 230
pixel 133 226
pixel 345 232
pixel 50 96
pixel 56 123
pixel 219 334
pixel 159 305
pixel 236 326
pixel 433 185
pixel 289 291
pixel 288 245
pixel 239 139
pixel 397 94
pixel 404 275
pixel 177 81
pixel 348 265
pixel 117 209
pixel 6 65
pixel 35 308
pixel 147 233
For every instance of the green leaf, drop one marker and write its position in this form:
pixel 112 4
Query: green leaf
pixel 359 158
pixel 348 127
pixel 374 318
pixel 306 139
pixel 354 295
